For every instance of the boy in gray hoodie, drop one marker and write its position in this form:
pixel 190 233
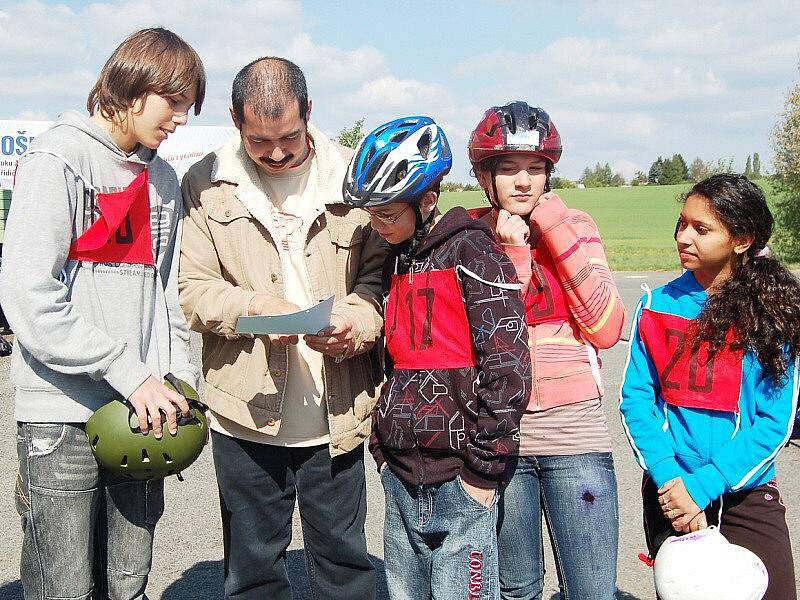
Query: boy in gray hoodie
pixel 89 286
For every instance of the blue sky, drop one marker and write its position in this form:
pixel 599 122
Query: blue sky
pixel 624 81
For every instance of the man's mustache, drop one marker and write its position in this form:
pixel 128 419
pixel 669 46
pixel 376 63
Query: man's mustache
pixel 277 163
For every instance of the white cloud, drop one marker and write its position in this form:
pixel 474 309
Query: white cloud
pixel 393 94
pixel 329 66
pixel 31 115
pixel 627 82
pixel 53 53
pixel 653 78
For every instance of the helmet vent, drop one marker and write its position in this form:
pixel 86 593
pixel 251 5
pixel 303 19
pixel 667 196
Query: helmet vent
pixel 398 137
pixel 145 456
pixel 369 155
pixel 379 132
pixel 424 144
pixel 375 167
pixel 95 441
pixel 124 462
pixel 400 171
pixel 510 122
pixel 167 457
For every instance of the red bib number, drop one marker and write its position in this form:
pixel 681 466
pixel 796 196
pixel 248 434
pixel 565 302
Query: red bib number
pixel 426 322
pixel 122 233
pixel 691 380
pixel 545 301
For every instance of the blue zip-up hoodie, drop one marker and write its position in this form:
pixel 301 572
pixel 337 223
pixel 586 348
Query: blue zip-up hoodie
pixel 713 452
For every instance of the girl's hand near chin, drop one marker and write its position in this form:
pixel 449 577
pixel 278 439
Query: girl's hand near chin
pixel 511 229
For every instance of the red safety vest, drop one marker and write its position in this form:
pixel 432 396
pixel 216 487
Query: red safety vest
pixel 686 379
pixel 426 322
pixel 122 233
pixel 545 301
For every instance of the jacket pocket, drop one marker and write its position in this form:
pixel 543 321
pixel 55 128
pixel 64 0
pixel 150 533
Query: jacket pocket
pixel 228 211
pixel 364 390
pixel 231 227
pixel 347 236
pixel 225 363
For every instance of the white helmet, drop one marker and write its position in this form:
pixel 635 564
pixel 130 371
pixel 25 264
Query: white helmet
pixel 703 565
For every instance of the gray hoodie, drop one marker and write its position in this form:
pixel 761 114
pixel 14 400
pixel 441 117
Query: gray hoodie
pixel 87 332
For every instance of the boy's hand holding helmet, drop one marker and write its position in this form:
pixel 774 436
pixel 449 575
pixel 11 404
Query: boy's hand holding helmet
pixel 151 399
pixel 121 446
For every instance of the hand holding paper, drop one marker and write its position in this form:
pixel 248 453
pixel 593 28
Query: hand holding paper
pixel 284 319
pixel 335 341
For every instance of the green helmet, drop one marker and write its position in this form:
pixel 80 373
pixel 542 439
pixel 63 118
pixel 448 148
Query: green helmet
pixel 119 446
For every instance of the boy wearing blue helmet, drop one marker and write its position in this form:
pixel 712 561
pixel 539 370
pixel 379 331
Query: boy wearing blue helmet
pixel 458 368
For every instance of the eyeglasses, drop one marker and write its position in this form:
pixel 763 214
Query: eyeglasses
pixel 386 219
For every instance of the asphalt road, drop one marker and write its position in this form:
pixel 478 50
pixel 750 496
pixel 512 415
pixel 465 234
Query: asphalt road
pixel 187 563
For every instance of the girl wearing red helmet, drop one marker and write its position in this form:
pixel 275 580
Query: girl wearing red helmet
pixel 564 467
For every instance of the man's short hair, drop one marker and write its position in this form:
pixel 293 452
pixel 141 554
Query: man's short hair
pixel 149 61
pixel 269 85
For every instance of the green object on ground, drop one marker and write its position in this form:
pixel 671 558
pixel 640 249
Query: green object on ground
pixel 118 445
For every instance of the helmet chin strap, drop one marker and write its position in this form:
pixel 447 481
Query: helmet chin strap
pixel 421 228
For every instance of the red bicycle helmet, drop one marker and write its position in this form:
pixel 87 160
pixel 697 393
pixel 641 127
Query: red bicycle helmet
pixel 515 127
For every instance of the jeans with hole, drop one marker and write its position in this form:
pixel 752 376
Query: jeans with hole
pixel 86 532
pixel 439 542
pixel 578 497
pixel 258 485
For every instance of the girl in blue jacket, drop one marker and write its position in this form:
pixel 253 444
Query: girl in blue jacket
pixel 711 384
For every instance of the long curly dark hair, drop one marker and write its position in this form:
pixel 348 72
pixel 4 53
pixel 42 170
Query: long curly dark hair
pixel 761 299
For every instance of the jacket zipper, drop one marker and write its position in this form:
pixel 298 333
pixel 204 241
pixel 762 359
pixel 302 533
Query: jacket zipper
pixel 537 403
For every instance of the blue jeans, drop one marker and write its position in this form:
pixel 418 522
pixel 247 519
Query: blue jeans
pixel 438 542
pixel 578 496
pixel 85 532
pixel 258 485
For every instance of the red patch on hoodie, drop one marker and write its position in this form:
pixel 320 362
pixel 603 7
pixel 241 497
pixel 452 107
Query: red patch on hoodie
pixel 122 233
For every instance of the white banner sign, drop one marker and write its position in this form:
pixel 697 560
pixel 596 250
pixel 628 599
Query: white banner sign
pixel 181 150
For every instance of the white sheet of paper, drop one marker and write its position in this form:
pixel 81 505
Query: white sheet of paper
pixel 310 321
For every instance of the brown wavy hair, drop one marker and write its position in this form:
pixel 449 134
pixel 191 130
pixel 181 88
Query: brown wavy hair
pixel 761 298
pixel 153 60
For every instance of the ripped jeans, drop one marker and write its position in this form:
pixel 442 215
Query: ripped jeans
pixel 578 496
pixel 87 534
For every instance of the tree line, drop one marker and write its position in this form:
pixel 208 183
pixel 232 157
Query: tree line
pixel 664 171
pixel 673 170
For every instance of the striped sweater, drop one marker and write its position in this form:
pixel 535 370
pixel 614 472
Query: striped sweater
pixel 565 266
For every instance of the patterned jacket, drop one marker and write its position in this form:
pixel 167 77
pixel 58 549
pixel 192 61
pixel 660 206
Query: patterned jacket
pixel 458 365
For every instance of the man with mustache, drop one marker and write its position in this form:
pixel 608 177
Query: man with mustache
pixel 267 233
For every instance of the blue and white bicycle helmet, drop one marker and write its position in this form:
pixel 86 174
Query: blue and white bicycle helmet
pixel 397 162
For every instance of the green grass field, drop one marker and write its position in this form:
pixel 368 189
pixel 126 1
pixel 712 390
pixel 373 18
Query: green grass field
pixel 636 223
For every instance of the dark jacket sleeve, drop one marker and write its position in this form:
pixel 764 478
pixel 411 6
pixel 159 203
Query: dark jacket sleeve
pixel 374 443
pixel 500 337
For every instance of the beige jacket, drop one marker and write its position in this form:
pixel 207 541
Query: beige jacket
pixel 228 255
